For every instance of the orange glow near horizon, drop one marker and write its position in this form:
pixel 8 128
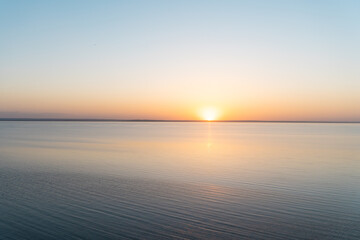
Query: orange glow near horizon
pixel 207 107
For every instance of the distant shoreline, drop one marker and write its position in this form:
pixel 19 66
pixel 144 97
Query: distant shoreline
pixel 157 120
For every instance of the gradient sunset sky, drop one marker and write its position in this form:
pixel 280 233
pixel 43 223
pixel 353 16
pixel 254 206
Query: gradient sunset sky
pixel 250 60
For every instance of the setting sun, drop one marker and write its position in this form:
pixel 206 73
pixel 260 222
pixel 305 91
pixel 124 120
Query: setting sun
pixel 209 114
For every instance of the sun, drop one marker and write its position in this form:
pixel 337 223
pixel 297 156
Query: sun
pixel 209 114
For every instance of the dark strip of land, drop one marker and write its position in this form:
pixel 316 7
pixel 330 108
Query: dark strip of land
pixel 156 120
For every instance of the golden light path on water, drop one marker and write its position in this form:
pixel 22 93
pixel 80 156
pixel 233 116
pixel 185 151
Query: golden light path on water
pixel 217 180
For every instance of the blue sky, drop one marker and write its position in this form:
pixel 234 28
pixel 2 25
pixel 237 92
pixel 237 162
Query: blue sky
pixel 271 60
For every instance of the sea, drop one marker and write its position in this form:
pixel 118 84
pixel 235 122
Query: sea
pixel 179 180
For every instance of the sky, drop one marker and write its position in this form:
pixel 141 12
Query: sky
pixel 160 59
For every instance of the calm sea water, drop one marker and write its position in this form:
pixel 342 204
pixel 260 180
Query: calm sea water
pixel 82 180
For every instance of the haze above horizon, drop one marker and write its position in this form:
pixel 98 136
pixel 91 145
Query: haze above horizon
pixel 181 60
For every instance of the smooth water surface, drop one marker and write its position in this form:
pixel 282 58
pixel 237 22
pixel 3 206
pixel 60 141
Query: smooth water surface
pixel 139 180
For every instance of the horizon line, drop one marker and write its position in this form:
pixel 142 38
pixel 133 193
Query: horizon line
pixel 161 120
